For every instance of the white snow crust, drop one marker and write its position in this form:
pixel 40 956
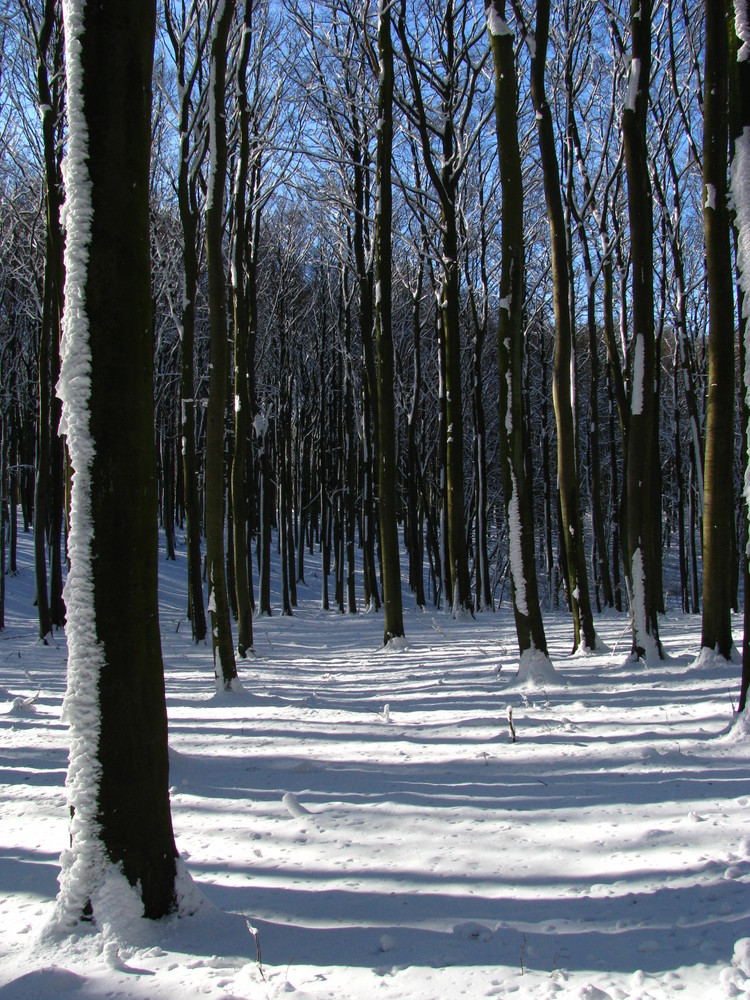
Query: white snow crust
pixel 633 79
pixel 84 864
pixel 515 549
pixel 535 671
pixel 742 27
pixel 638 360
pixel 496 24
pixel 643 637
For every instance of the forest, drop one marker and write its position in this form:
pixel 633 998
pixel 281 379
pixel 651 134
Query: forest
pixel 317 322
pixel 435 304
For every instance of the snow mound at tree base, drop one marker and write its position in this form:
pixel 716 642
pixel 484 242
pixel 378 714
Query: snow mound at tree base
pixel 535 670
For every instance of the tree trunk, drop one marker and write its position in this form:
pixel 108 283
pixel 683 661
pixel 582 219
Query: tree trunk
pixel 239 491
pixel 186 199
pixel 567 461
pixel 739 109
pixel 517 492
pixel 225 667
pixel 394 619
pixel 119 771
pixel 640 512
pixel 47 496
pixel 718 510
pixel 414 510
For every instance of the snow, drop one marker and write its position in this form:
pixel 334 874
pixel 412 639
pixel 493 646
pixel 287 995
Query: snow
pixel 643 637
pixel 515 545
pixel 710 197
pixel 740 198
pixel 496 24
pixel 742 27
pixel 633 79
pixel 84 865
pixel 605 853
pixel 638 362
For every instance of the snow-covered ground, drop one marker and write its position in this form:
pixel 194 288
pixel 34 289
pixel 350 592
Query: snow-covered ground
pixel 365 812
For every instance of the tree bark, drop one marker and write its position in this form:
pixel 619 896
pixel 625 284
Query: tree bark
pixel 115 673
pixel 739 129
pixel 567 460
pixel 188 209
pixel 394 619
pixel 718 509
pixel 640 512
pixel 513 433
pixel 239 489
pixel 225 667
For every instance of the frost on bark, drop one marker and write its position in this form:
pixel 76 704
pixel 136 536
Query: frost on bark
pixel 118 774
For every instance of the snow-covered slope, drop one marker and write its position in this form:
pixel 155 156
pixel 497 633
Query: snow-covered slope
pixel 359 822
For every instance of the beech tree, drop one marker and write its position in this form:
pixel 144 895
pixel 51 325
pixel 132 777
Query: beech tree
pixel 218 601
pixel 118 774
pixel 240 303
pixel 513 432
pixel 641 533
pixel 563 374
pixel 394 620
pixel 718 510
pixel 180 34
pixel 739 134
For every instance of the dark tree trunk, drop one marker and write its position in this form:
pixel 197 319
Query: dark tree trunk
pixel 642 562
pixel 186 197
pixel 567 461
pixel 242 412
pixel 225 667
pixel 517 492
pixel 718 509
pixel 739 123
pixel 114 542
pixel 387 509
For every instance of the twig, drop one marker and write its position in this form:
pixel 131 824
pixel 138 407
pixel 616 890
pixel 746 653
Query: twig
pixel 511 727
pixel 561 954
pixel 523 955
pixel 256 937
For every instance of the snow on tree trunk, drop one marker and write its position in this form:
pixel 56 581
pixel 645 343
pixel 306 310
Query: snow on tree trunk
pixel 84 864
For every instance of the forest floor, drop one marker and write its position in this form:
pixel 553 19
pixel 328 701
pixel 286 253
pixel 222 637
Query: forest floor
pixel 359 823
